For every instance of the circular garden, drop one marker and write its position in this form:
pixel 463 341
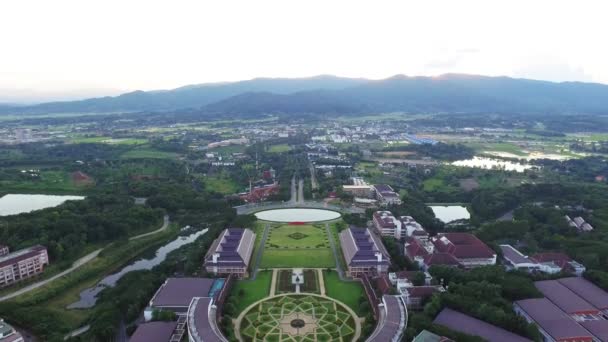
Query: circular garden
pixel 298 318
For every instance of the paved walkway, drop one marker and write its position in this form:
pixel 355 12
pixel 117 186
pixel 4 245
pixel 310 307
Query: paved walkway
pixel 321 281
pixel 260 252
pixel 77 264
pixel 273 282
pixel 332 244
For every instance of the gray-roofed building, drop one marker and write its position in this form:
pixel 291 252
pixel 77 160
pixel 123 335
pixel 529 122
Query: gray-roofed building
pixel 364 252
pixel 566 300
pixel 514 259
pixel 202 321
pixel 554 324
pixel 231 252
pixel 465 324
pixel 599 329
pixel 154 332
pixel 588 291
pixel 175 294
pixel 386 195
pixel 427 336
pixel 392 320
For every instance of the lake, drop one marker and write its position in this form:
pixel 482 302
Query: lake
pixel 491 163
pixel 13 204
pixel 88 297
pixel 450 213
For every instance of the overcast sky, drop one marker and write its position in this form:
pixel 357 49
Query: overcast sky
pixel 78 48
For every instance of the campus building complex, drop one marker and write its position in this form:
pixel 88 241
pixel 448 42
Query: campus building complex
pixel 230 253
pixel 544 262
pixel 364 252
pixel 386 195
pixel 573 310
pixel 22 264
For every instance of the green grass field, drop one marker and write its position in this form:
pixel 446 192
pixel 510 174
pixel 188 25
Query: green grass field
pixel 279 148
pixel 220 184
pixel 253 290
pixel 48 182
pixel 346 292
pixel 142 153
pixel 297 246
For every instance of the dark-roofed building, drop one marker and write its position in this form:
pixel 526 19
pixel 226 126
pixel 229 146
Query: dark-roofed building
pixel 466 248
pixel 554 324
pixel 427 336
pixel 567 300
pixel 22 264
pixel 154 332
pixel 176 293
pixel 202 321
pixel 391 322
pixel 231 252
pixel 386 195
pixel 364 252
pixel 514 259
pixel 598 328
pixel 440 259
pixel 558 262
pixel 415 296
pixel 388 225
pixel 588 291
pixel 465 324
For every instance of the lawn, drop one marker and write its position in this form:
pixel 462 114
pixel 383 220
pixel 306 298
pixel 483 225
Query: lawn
pixel 313 258
pixel 297 236
pixel 48 182
pixel 346 292
pixel 223 185
pixel 141 153
pixel 279 148
pixel 253 290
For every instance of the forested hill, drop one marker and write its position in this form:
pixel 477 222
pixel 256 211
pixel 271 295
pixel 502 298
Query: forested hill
pixel 451 93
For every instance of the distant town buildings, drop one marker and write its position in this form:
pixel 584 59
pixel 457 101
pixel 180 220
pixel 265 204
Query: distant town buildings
pixel 364 252
pixel 8 333
pixel 22 264
pixel 230 253
pixel 228 142
pixel 573 310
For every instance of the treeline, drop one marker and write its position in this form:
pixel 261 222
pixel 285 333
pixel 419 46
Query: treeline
pixel 68 229
pixel 441 151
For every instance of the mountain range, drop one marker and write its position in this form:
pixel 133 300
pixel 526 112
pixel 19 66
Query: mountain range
pixel 449 93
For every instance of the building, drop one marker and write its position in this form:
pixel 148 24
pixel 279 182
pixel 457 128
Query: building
pixel 568 301
pixel 22 264
pixel 175 294
pixel 202 321
pixel 154 332
pixel 464 247
pixel 359 188
pixel 588 291
pixel 364 252
pixel 579 223
pixel 8 333
pixel 465 324
pixel 386 195
pixel 427 336
pixel 416 296
pixel 392 321
pixel 414 229
pixel 514 259
pixel 388 225
pixel 230 253
pixel 558 262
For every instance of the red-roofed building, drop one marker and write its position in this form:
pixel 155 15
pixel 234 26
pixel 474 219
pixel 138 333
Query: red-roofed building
pixel 558 262
pixel 466 248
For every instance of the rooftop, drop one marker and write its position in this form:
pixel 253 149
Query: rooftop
pixel 21 254
pixel 472 326
pixel 462 245
pixel 201 321
pixel 393 322
pixel 513 255
pixel 552 320
pixel 360 245
pixel 154 332
pixel 587 290
pixel 564 298
pixel 178 292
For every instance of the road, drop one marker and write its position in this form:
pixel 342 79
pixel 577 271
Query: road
pixel 78 263
pixel 294 192
pixel 313 177
pixel 260 251
pixel 332 244
pixel 301 191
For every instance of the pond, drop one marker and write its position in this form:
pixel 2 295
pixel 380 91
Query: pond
pixel 88 297
pixel 491 163
pixel 297 215
pixel 13 204
pixel 450 213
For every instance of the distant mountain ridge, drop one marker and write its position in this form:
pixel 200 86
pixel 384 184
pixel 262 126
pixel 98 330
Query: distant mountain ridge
pixel 450 93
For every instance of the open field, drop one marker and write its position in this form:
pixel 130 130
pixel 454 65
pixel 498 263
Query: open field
pixel 297 246
pixel 297 236
pixel 50 181
pixel 317 258
pixel 107 140
pixel 148 153
pixel 253 290
pixel 346 292
pixel 220 184
pixel 279 148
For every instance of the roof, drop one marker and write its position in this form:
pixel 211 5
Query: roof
pixel 393 322
pixel 472 326
pixel 462 245
pixel 587 290
pixel 564 298
pixel 427 336
pixel 386 219
pixel 441 259
pixel 421 291
pixel 552 320
pixel 599 328
pixel 201 321
pixel 513 255
pixel 413 248
pixel 559 258
pixel 178 292
pixel 21 255
pixel 234 248
pixel 154 332
pixel 360 245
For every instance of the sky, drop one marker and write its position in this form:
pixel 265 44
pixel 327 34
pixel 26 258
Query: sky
pixel 64 49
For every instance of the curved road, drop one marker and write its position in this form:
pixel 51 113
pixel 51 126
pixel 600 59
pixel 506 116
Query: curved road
pixel 85 259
